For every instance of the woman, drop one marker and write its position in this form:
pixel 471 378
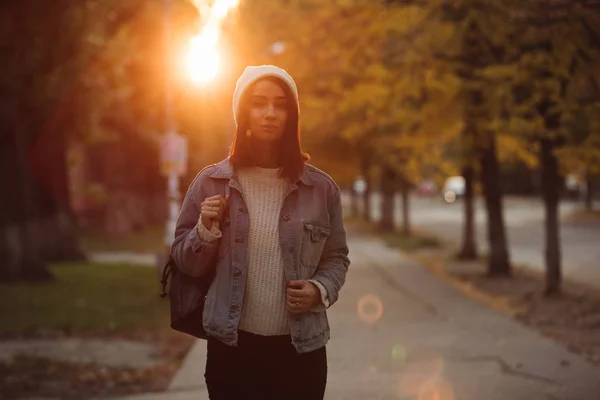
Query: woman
pixel 271 228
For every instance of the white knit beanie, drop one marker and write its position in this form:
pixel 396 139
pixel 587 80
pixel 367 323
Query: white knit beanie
pixel 252 74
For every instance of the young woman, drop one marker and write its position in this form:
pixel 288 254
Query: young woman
pixel 271 228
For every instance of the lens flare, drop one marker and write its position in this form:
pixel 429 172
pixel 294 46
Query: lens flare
pixel 438 389
pixel 399 354
pixel 419 373
pixel 202 59
pixel 370 308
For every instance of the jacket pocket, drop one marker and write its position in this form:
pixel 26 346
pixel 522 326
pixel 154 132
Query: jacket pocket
pixel 314 236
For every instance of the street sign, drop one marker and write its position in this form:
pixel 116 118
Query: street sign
pixel 173 155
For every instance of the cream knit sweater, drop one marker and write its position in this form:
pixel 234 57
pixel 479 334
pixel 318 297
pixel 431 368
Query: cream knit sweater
pixel 264 310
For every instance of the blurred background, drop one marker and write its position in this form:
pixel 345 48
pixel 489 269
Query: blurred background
pixel 467 129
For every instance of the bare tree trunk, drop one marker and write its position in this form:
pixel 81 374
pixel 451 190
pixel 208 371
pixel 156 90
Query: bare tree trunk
pixel 20 258
pixel 353 202
pixel 57 231
pixel 550 187
pixel 366 173
pixel 589 193
pixel 499 263
pixel 405 194
pixel 388 191
pixel 468 249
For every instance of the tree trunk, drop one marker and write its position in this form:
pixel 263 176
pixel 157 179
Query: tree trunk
pixel 468 249
pixel 589 193
pixel 551 188
pixel 388 191
pixel 353 202
pixel 366 173
pixel 405 193
pixel 20 258
pixel 498 263
pixel 55 226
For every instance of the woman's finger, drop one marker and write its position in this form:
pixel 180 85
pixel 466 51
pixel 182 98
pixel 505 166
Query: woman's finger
pixel 212 207
pixel 296 293
pixel 294 304
pixel 210 214
pixel 296 309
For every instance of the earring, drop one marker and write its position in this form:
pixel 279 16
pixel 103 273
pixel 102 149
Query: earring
pixel 248 133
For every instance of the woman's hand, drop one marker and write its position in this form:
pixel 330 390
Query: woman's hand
pixel 212 209
pixel 302 296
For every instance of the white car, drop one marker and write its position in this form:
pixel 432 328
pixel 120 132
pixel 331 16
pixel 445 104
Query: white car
pixel 454 188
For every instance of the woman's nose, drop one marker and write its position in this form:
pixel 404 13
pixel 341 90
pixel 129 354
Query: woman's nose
pixel 270 111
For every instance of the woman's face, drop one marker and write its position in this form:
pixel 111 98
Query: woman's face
pixel 268 111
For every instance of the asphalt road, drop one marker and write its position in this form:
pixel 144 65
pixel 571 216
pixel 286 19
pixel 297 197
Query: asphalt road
pixel 524 220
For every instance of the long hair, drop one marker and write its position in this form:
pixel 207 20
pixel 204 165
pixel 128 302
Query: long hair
pixel 291 157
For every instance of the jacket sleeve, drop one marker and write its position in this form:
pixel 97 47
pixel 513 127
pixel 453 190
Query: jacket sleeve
pixel 193 255
pixel 333 266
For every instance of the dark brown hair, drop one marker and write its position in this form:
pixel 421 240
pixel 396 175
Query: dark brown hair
pixel 291 156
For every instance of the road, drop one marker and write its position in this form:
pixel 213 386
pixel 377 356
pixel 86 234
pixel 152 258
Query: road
pixel 524 220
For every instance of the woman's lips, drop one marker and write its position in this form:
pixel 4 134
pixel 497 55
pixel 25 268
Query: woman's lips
pixel 269 128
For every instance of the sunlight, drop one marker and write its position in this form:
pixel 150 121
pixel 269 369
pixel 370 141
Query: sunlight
pixel 202 59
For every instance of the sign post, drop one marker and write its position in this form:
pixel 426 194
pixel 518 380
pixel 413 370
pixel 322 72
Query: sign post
pixel 173 165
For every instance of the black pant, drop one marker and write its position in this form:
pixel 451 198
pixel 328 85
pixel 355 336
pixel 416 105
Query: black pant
pixel 265 368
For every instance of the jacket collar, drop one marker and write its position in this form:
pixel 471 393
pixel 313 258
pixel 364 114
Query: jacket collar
pixel 224 170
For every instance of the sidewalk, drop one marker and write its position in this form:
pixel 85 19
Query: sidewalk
pixel 398 332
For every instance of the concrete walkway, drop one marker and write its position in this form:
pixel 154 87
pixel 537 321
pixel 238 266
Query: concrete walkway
pixel 125 257
pixel 398 332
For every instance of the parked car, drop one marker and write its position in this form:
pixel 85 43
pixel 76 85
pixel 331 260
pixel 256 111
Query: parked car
pixel 454 188
pixel 427 187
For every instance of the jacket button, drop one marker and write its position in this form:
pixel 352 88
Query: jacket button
pixel 291 249
pixel 286 218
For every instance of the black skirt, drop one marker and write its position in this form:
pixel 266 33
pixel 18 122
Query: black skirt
pixel 266 368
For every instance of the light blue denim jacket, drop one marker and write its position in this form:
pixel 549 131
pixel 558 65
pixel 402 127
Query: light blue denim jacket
pixel 312 239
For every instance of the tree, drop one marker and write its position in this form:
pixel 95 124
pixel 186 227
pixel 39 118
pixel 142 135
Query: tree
pixel 555 44
pixel 48 45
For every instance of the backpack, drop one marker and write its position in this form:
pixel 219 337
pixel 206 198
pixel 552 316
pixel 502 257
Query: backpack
pixel 187 295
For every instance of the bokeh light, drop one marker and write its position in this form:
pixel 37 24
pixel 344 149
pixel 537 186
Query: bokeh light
pixel 419 373
pixel 436 389
pixel 370 308
pixel 399 354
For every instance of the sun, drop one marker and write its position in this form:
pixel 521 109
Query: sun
pixel 202 60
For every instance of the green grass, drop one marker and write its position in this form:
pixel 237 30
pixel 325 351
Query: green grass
pixel 85 297
pixel 414 242
pixel 148 241
pixel 417 240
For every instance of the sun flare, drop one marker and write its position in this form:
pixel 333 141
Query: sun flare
pixel 202 59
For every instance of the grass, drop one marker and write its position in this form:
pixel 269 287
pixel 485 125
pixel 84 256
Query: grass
pixel 148 241
pixel 583 215
pixel 416 241
pixel 412 243
pixel 85 297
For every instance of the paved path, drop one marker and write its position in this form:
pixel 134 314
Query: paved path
pixel 524 219
pixel 117 257
pixel 401 333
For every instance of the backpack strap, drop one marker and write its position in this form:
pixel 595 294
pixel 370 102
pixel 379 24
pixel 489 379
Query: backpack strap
pixel 167 271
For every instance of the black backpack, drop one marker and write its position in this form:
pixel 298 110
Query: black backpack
pixel 187 295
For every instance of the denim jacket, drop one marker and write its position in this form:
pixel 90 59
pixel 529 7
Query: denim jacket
pixel 312 239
